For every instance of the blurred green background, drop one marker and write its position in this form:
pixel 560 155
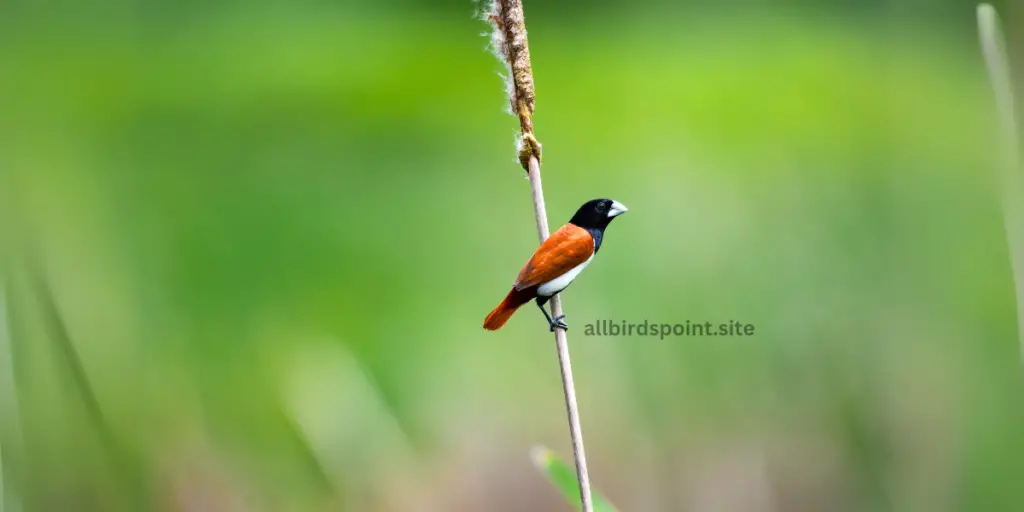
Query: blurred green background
pixel 272 231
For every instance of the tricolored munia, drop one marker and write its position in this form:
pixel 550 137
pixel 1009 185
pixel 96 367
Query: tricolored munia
pixel 558 261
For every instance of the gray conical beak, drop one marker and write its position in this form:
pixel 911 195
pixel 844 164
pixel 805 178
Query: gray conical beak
pixel 617 209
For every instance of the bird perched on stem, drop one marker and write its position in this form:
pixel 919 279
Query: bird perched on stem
pixel 557 262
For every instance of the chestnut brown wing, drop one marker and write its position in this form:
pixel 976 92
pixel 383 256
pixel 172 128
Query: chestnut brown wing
pixel 566 248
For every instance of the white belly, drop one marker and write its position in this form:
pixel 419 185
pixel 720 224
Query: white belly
pixel 559 283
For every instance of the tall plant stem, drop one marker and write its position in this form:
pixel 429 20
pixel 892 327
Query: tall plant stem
pixel 511 46
pixel 562 345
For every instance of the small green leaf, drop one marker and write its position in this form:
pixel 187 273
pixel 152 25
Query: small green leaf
pixel 563 477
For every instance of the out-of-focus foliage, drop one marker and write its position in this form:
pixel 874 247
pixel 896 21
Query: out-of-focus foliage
pixel 273 230
pixel 564 478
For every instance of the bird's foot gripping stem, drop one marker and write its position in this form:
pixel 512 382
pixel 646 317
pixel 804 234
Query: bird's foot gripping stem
pixel 553 323
pixel 558 322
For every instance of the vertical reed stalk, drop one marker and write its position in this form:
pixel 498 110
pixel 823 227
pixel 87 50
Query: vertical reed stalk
pixel 510 45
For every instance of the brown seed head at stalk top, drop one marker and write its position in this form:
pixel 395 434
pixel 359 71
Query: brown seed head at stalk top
pixel 510 44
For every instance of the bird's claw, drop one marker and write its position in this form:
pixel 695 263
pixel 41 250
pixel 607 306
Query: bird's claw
pixel 558 323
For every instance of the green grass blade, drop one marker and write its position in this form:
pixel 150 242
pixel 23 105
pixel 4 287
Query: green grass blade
pixel 563 477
